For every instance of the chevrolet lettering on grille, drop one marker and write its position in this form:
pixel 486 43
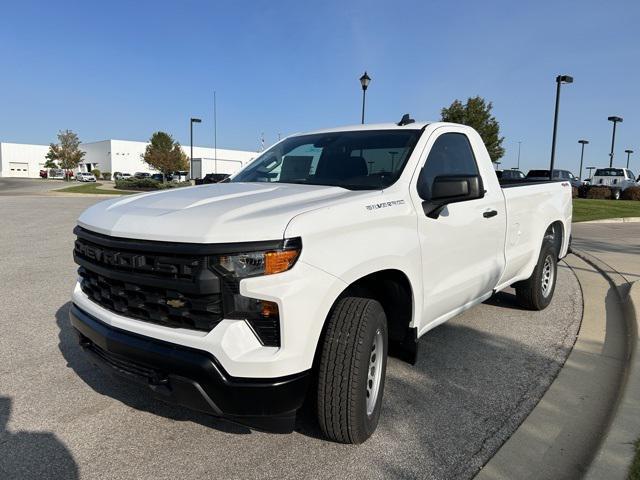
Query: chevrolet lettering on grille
pixel 110 257
pixel 136 261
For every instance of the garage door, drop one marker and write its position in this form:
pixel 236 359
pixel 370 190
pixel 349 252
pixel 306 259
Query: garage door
pixel 18 169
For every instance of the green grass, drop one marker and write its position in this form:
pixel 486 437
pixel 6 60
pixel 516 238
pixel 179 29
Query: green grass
pixel 92 188
pixel 586 209
pixel 634 471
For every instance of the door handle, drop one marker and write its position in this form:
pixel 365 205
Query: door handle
pixel 490 213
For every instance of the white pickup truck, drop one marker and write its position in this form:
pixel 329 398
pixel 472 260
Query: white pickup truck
pixel 619 179
pixel 299 275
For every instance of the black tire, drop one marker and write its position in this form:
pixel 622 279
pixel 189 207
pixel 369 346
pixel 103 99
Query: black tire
pixel 343 375
pixel 531 293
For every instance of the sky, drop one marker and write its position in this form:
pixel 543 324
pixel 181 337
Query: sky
pixel 126 69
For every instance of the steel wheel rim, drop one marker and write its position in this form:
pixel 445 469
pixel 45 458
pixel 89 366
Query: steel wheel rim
pixel 374 372
pixel 548 276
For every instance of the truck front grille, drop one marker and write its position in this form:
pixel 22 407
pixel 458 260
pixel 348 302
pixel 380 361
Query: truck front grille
pixel 165 283
pixel 156 305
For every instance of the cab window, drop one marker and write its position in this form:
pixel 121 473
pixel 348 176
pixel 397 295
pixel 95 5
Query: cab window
pixel 451 154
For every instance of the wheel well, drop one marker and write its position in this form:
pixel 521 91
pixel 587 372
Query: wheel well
pixel 393 290
pixel 555 234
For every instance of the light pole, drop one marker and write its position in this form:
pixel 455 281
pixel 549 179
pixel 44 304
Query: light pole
pixel 628 152
pixel 364 82
pixel 560 79
pixel 191 122
pixel 615 121
pixel 590 170
pixel 583 143
pixel 519 143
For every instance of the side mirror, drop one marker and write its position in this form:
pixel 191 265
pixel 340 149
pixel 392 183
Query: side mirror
pixel 448 189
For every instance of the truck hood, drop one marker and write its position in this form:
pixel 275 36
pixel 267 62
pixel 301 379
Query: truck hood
pixel 217 213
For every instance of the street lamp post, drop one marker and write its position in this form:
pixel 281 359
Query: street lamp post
pixel 628 152
pixel 615 121
pixel 191 122
pixel 583 142
pixel 519 143
pixel 560 79
pixel 590 170
pixel 364 82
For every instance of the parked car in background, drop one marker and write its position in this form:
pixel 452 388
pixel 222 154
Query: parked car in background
pixel 181 176
pixel 542 175
pixel 158 177
pixel 121 176
pixel 43 174
pixel 142 175
pixel 619 179
pixel 212 178
pixel 56 173
pixel 85 177
pixel 510 175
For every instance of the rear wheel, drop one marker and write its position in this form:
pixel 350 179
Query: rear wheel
pixel 536 292
pixel 352 370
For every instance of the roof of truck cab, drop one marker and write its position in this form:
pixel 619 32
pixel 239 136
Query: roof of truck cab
pixel 371 126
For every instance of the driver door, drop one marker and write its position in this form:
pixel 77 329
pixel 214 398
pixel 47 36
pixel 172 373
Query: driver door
pixel 462 249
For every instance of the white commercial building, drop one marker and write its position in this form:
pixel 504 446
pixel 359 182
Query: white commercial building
pixel 23 160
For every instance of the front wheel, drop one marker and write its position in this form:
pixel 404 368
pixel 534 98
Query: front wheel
pixel 536 292
pixel 352 370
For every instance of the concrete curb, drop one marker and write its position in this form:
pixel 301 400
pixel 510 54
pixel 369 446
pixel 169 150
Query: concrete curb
pixel 564 432
pixel 617 450
pixel 614 220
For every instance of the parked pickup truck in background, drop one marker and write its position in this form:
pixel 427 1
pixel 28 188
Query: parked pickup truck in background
pixel 296 278
pixel 565 175
pixel 619 179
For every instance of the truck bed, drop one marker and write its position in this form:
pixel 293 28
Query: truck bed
pixel 514 182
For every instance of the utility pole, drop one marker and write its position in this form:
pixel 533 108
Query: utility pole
pixel 615 121
pixel 583 143
pixel 215 135
pixel 560 79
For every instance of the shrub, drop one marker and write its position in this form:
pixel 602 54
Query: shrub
pixel 147 184
pixel 106 175
pixel 582 191
pixel 574 192
pixel 631 193
pixel 96 172
pixel 599 193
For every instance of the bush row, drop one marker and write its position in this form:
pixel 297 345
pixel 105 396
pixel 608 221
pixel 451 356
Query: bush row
pixel 631 193
pixel 605 193
pixel 147 184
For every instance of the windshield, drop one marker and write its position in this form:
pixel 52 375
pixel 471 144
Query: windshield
pixel 510 174
pixel 361 160
pixel 539 174
pixel 609 172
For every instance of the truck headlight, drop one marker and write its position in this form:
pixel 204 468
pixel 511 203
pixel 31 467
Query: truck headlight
pixel 263 316
pixel 251 264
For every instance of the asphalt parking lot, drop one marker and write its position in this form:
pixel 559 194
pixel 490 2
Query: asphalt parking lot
pixel 30 186
pixel 477 378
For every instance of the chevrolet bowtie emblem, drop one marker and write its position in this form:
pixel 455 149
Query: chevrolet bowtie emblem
pixel 175 303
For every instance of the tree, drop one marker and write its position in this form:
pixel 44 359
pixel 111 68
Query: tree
pixel 67 152
pixel 165 154
pixel 49 164
pixel 476 113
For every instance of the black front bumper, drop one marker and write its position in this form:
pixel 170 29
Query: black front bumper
pixel 190 377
